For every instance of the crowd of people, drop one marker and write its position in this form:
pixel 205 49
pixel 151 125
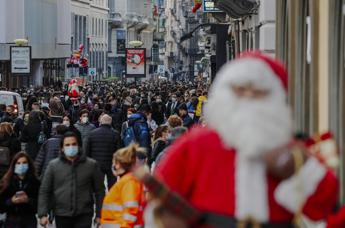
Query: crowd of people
pixel 63 147
pixel 167 154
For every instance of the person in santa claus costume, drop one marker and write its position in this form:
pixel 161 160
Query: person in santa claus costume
pixel 222 170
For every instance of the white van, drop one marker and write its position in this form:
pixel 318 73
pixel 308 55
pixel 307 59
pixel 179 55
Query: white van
pixel 10 98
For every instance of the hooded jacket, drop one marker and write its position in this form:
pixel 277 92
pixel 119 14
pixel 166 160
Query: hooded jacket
pixel 69 187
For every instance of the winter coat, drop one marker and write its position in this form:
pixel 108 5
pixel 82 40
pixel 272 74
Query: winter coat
pixel 158 147
pixel 30 136
pixel 30 185
pixel 123 205
pixel 102 143
pixel 199 107
pixel 84 129
pixel 187 121
pixel 74 113
pixel 49 151
pixel 70 187
pixel 13 144
pixel 158 110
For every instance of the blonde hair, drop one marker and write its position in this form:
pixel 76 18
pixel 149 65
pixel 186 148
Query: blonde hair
pixel 6 129
pixel 127 156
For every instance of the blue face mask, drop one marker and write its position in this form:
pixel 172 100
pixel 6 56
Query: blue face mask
pixel 21 169
pixel 71 151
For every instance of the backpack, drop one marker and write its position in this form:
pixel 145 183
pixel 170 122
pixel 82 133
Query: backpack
pixel 129 135
pixel 136 133
pixel 42 136
pixel 5 156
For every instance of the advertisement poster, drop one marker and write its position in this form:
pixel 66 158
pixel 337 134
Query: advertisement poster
pixel 135 62
pixel 210 7
pixel 121 41
pixel 20 60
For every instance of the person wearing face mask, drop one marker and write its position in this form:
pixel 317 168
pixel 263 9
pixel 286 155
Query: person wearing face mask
pixel 71 185
pixel 84 126
pixel 172 106
pixel 8 142
pixel 67 122
pixel 123 205
pixel 19 193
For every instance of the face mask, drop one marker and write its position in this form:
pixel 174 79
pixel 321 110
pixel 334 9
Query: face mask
pixel 21 169
pixel 71 151
pixel 66 123
pixel 82 102
pixel 84 120
pixel 173 99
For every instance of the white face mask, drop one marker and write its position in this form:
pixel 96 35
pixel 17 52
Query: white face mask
pixel 84 120
pixel 66 123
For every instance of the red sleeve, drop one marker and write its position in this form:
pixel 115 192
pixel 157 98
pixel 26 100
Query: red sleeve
pixel 321 203
pixel 337 220
pixel 178 168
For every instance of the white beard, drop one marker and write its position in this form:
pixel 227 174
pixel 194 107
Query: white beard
pixel 252 128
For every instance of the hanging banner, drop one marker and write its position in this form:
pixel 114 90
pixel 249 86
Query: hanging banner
pixel 121 41
pixel 136 62
pixel 20 59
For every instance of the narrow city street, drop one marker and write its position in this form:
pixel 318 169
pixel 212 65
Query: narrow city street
pixel 172 113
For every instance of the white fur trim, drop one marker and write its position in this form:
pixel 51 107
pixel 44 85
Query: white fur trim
pixel 293 192
pixel 251 189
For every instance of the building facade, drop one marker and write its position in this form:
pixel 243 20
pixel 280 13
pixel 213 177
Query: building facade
pixel 48 38
pixel 89 21
pixel 129 20
pixel 310 40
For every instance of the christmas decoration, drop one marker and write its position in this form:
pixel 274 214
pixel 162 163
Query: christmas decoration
pixel 197 5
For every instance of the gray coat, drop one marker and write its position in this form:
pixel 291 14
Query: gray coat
pixel 85 130
pixel 69 187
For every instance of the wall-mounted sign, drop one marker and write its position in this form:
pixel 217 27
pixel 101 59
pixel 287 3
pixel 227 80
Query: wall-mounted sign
pixel 136 62
pixel 92 72
pixel 20 59
pixel 210 7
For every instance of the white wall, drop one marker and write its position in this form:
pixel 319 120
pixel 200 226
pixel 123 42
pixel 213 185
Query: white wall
pixel 64 21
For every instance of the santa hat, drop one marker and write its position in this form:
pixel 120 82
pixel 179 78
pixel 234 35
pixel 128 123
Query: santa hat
pixel 275 65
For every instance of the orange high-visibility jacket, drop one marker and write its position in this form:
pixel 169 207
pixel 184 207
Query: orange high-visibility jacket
pixel 122 206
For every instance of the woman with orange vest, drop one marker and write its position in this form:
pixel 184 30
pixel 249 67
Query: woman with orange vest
pixel 123 205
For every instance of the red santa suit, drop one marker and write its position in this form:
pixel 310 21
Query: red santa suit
pixel 219 169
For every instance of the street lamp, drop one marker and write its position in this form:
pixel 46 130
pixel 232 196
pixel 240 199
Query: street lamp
pixel 136 43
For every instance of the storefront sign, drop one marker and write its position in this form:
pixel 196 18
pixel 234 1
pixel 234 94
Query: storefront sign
pixel 135 62
pixel 20 59
pixel 210 7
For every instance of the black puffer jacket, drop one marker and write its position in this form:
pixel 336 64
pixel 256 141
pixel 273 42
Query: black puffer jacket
pixel 102 144
pixel 30 136
pixel 71 187
pixel 49 151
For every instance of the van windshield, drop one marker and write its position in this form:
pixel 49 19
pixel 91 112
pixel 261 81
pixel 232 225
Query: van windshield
pixel 6 99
